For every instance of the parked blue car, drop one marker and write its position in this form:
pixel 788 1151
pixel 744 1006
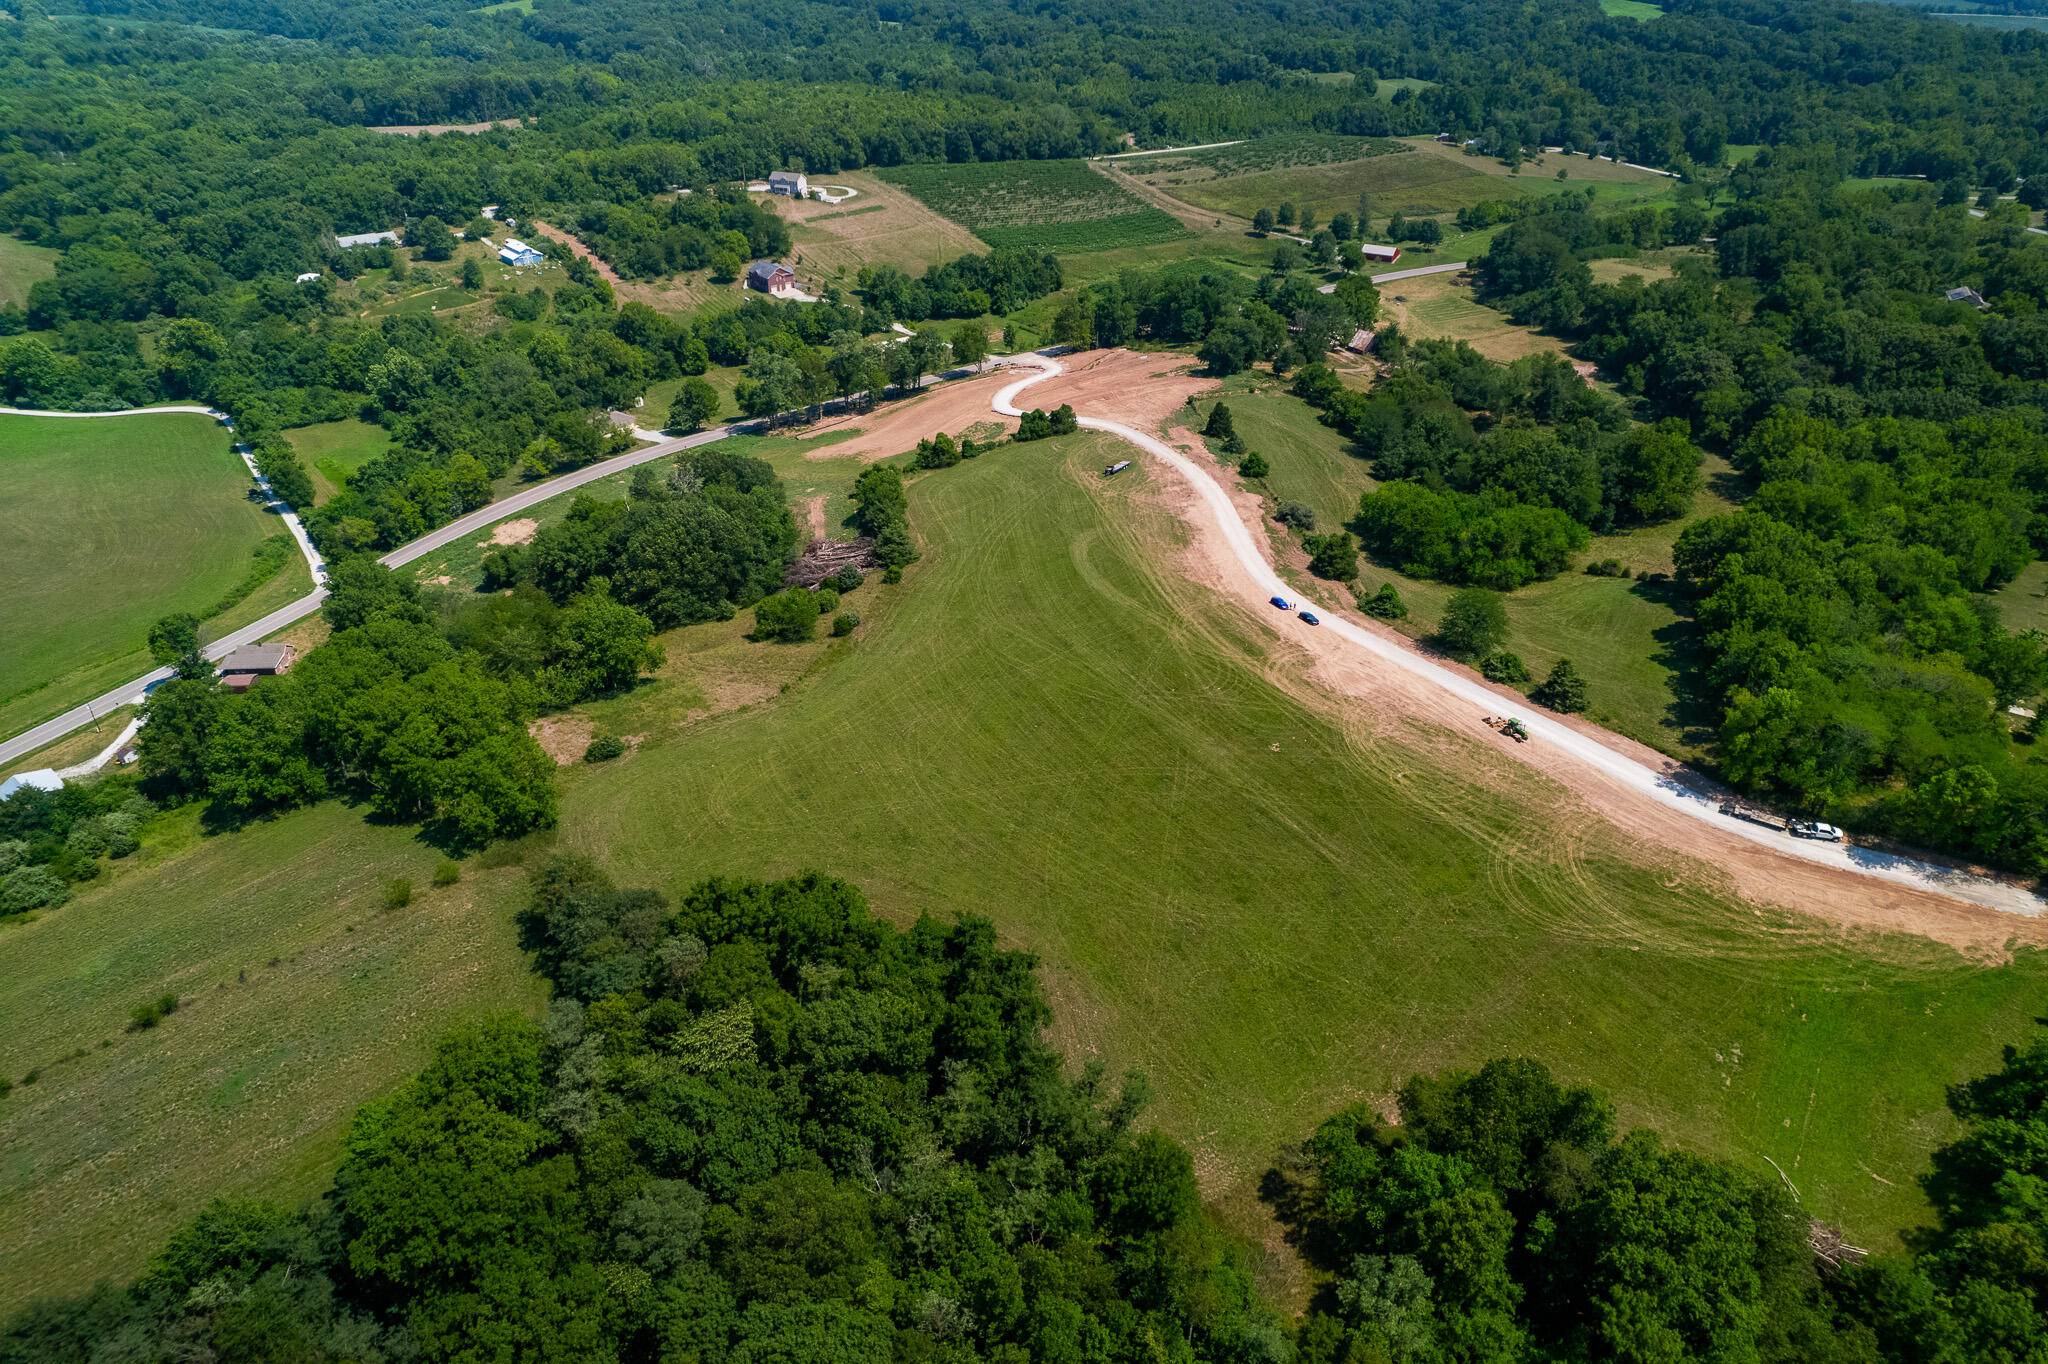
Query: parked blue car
pixel 1310 617
pixel 1282 603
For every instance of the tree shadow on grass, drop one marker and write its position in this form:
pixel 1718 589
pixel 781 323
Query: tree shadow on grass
pixel 1682 653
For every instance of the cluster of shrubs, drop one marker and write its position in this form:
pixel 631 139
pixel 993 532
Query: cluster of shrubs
pixel 1038 425
pixel 943 452
pixel 50 840
pixel 791 615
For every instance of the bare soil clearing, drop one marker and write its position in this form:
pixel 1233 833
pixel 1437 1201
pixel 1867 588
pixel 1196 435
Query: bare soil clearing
pixel 583 249
pixel 514 532
pixel 1142 390
pixel 563 737
pixel 435 129
pixel 893 428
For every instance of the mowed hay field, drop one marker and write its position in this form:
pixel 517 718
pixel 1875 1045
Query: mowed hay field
pixel 882 225
pixel 1443 307
pixel 111 522
pixel 302 998
pixel 1271 906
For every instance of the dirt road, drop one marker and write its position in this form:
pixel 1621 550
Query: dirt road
pixel 1639 791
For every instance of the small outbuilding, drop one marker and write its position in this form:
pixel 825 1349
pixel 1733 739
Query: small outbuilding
pixel 1362 341
pixel 1383 255
pixel 790 184
pixel 367 239
pixel 1969 296
pixel 516 252
pixel 42 779
pixel 771 277
pixel 307 277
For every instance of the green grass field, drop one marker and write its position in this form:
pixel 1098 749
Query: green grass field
pixel 331 451
pixel 1413 176
pixel 1058 206
pixel 2023 602
pixel 110 523
pixel 1631 9
pixel 21 265
pixel 1388 86
pixel 1272 907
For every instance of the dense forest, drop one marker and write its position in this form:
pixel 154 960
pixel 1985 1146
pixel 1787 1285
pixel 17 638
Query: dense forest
pixel 1895 449
pixel 171 152
pixel 759 1124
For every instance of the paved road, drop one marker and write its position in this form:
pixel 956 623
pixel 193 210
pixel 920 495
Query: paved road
pixel 1417 273
pixel 1644 780
pixel 118 412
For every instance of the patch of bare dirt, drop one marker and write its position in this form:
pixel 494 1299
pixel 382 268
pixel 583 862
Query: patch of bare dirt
pixel 892 428
pixel 583 249
pixel 814 516
pixel 562 737
pixel 1580 806
pixel 434 129
pixel 1141 390
pixel 514 532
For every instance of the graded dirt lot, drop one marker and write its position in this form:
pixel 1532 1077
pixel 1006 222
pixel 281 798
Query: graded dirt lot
pixel 1143 389
pixel 953 406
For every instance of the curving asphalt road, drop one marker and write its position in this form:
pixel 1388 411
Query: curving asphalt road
pixel 1985 891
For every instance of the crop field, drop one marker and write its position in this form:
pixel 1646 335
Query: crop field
pixel 1408 182
pixel 1413 176
pixel 21 265
pixel 884 225
pixel 331 451
pixel 1259 154
pixel 1057 206
pixel 108 524
pixel 1269 907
